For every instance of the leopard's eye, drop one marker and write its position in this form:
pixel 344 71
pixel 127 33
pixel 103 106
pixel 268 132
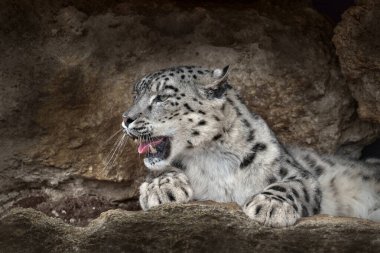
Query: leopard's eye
pixel 134 95
pixel 161 98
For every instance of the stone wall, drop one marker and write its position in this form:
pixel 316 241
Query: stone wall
pixel 357 45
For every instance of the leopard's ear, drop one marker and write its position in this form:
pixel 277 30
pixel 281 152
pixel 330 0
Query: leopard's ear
pixel 216 84
pixel 220 75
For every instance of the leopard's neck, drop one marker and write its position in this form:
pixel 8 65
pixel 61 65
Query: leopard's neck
pixel 245 139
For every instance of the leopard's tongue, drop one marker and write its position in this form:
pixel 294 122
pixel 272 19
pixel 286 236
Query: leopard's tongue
pixel 144 146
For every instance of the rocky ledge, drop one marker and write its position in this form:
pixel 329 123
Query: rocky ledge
pixel 196 227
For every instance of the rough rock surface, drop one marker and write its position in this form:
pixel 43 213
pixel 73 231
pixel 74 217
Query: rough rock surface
pixel 184 228
pixel 66 73
pixel 357 41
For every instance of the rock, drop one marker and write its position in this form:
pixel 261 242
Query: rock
pixel 357 41
pixel 71 20
pixel 184 228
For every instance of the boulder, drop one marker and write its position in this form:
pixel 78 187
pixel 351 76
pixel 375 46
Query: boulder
pixel 184 228
pixel 357 42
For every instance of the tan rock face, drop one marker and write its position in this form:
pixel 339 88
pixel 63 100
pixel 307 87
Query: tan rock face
pixel 67 73
pixel 184 228
pixel 357 45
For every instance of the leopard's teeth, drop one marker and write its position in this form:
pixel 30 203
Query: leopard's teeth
pixel 135 141
pixel 152 149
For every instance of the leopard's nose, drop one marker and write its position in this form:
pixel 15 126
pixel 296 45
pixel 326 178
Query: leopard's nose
pixel 127 120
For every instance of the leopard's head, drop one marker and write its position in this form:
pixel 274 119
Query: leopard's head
pixel 176 111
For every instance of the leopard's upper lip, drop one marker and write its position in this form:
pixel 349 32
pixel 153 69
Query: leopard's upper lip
pixel 136 137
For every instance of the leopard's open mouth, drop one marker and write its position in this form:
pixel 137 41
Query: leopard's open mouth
pixel 155 147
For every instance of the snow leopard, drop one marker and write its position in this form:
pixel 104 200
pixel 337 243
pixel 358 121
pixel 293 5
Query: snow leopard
pixel 201 142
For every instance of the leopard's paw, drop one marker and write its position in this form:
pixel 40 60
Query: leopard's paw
pixel 169 187
pixel 271 211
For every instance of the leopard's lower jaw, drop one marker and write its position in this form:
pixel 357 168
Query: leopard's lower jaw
pixel 155 163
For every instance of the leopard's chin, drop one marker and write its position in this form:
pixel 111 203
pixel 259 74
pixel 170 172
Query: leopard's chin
pixel 156 163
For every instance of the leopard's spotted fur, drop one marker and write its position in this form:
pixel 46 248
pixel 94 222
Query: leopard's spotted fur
pixel 218 150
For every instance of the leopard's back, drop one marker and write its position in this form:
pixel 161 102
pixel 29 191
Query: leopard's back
pixel 349 187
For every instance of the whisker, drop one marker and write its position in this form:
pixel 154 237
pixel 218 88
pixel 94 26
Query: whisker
pixel 113 147
pixel 115 150
pixel 112 136
pixel 119 152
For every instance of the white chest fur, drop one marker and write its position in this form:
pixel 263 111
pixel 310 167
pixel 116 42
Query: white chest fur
pixel 216 176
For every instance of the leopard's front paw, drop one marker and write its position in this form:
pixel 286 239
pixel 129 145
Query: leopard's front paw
pixel 170 187
pixel 271 211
